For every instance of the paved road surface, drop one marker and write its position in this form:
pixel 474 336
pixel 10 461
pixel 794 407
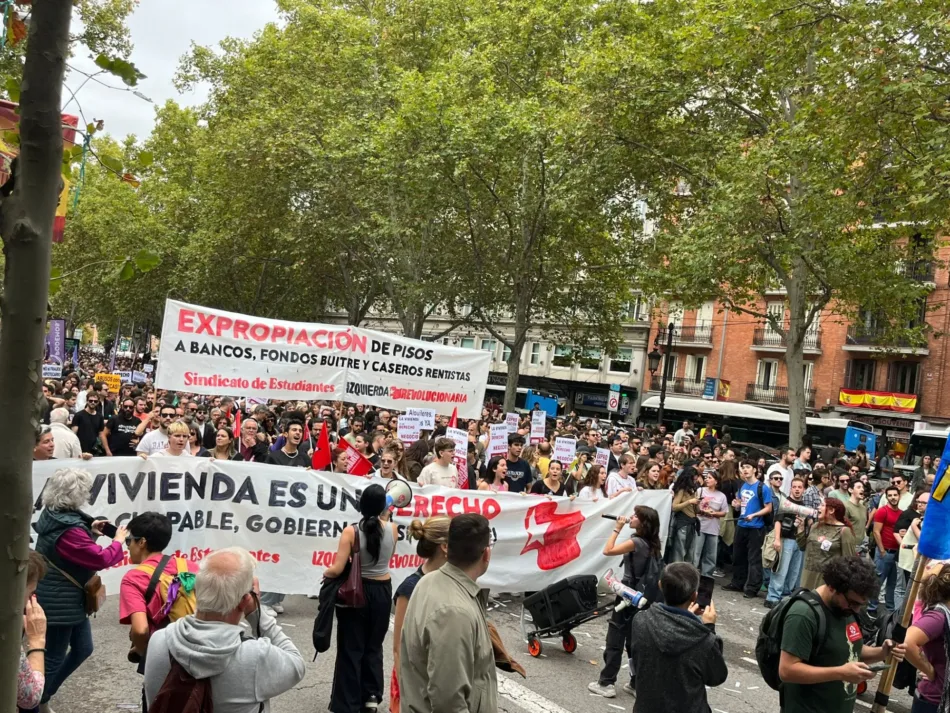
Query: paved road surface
pixel 556 682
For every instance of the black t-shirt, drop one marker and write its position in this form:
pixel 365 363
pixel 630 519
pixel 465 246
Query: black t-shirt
pixel 519 476
pixel 540 488
pixel 905 519
pixel 279 457
pixel 121 432
pixel 88 427
pixel 635 563
pixel 408 585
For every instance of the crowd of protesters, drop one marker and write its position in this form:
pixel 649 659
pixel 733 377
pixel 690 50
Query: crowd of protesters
pixel 773 526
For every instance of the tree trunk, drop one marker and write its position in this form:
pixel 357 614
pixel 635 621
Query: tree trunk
pixel 795 356
pixel 26 226
pixel 514 373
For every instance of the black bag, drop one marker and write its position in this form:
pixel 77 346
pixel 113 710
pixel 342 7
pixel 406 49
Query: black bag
pixel 888 626
pixel 768 645
pixel 183 693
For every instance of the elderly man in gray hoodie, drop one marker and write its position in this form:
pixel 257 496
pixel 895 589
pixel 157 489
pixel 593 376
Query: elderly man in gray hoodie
pixel 245 672
pixel 676 653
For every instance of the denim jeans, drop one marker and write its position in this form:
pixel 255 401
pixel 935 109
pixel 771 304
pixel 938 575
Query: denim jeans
pixel 705 550
pixel 684 534
pixel 886 565
pixel 60 665
pixel 786 578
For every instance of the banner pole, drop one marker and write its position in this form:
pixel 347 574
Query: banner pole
pixel 883 694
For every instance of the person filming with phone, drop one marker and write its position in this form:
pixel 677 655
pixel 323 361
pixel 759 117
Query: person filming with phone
pixel 66 537
pixel 676 652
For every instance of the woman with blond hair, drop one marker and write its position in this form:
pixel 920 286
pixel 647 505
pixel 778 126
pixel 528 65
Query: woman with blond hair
pixel 178 435
pixel 433 539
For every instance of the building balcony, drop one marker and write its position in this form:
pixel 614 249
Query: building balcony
pixel 770 340
pixel 917 270
pixel 861 338
pixel 774 394
pixel 696 335
pixel 678 385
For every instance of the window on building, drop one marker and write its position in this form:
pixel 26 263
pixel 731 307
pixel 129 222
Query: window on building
pixel 808 368
pixel 623 360
pixel 505 354
pixel 590 359
pixel 535 353
pixel 563 355
pixel 859 374
pixel 488 345
pixel 467 342
pixel 766 376
pixel 903 376
pixel 776 310
pixel 638 309
pixel 695 368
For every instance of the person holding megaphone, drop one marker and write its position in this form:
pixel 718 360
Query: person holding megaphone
pixel 785 578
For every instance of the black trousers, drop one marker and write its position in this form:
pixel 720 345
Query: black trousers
pixel 358 673
pixel 618 642
pixel 747 559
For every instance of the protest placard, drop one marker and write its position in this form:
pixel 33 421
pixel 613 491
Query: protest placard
pixel 538 425
pixel 139 377
pixel 52 371
pixel 426 417
pixel 603 457
pixel 408 428
pixel 497 439
pixel 125 376
pixel 564 449
pixel 113 380
pixel 511 421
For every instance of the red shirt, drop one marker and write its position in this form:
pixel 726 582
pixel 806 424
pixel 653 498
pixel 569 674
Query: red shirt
pixel 888 516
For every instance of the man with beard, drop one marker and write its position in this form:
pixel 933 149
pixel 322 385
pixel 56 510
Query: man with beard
pixel 120 431
pixel 206 430
pixel 88 424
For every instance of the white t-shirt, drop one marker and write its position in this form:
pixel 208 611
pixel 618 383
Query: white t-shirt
pixel 589 493
pixel 435 474
pixel 616 482
pixel 165 452
pixel 787 475
pixel 153 442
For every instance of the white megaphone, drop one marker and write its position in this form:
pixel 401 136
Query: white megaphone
pixel 800 510
pixel 398 494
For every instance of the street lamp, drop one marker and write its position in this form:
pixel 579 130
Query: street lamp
pixel 653 359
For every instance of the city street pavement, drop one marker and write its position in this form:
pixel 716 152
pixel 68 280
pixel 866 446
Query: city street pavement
pixel 556 681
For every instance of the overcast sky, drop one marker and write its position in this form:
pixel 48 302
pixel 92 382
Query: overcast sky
pixel 162 31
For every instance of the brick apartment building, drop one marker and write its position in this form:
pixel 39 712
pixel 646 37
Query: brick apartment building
pixel 847 374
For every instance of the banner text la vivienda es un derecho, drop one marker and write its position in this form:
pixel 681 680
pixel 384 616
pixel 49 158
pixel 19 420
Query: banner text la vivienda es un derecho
pixel 291 519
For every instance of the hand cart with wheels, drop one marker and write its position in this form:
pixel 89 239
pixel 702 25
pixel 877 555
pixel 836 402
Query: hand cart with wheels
pixel 558 609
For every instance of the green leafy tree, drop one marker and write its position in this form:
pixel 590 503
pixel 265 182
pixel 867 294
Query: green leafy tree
pixel 808 144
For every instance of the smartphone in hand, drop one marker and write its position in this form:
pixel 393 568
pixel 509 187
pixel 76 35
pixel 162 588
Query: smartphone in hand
pixel 109 530
pixel 704 595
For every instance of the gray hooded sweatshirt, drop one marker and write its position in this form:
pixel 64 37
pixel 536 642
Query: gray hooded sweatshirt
pixel 675 656
pixel 244 673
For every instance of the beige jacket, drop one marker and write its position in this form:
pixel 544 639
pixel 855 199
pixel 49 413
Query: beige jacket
pixel 446 660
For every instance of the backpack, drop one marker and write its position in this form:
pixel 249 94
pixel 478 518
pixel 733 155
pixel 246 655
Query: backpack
pixel 648 583
pixel 177 590
pixel 888 626
pixel 183 693
pixel 768 645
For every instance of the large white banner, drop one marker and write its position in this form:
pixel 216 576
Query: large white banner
pixel 209 351
pixel 291 519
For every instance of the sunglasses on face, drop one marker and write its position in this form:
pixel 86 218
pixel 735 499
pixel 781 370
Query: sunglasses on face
pixel 387 461
pixel 168 415
pixel 779 478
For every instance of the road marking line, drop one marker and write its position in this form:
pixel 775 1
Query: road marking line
pixel 613 705
pixel 525 698
pixel 747 659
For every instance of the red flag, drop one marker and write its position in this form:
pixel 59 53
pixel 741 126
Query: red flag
pixel 356 462
pixel 321 454
pixel 237 423
pixel 453 422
